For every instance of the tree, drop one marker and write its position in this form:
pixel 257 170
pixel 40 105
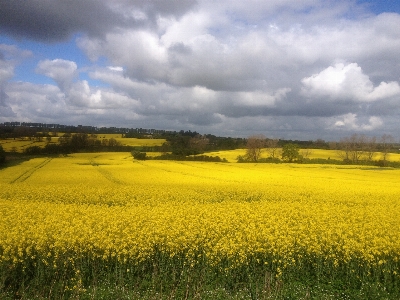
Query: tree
pixel 113 143
pixel 370 147
pixel 186 143
pixel 290 152
pixel 386 143
pixel 254 147
pixel 39 136
pixel 344 149
pixel 272 147
pixel 180 145
pixel 305 153
pixel 65 139
pixel 79 141
pixel 356 148
pixel 2 155
pixel 198 143
pixel 139 155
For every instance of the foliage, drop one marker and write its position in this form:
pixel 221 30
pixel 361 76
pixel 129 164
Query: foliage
pixel 191 143
pixel 254 147
pixel 139 155
pixel 33 150
pixel 186 144
pixel 290 152
pixel 168 156
pixel 360 148
pixel 189 158
pixel 2 155
pixel 69 143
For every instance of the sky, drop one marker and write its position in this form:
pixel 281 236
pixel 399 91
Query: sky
pixel 306 70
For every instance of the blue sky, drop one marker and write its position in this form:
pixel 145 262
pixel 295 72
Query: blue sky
pixel 67 50
pixel 286 69
pixel 379 7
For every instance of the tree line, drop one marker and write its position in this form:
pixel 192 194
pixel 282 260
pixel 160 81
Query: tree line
pixel 79 142
pixel 358 148
pixel 2 155
pixel 355 149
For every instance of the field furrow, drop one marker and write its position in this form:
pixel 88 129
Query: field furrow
pixel 28 173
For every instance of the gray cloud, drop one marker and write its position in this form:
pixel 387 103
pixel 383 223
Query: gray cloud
pixel 282 68
pixel 10 57
pixel 52 21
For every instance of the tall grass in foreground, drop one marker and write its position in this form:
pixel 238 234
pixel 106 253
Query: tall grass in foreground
pixel 163 277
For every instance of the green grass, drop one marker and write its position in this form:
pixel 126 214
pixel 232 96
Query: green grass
pixel 163 277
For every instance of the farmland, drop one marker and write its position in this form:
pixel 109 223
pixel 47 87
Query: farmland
pixel 74 225
pixel 20 144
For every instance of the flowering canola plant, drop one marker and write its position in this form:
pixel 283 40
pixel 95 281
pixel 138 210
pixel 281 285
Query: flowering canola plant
pixel 107 207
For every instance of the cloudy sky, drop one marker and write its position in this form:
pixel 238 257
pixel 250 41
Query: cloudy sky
pixel 284 68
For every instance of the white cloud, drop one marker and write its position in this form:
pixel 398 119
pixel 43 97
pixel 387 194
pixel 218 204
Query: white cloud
pixel 30 100
pixel 10 57
pixel 139 51
pixel 63 72
pixel 82 95
pixel 277 65
pixel 6 71
pixel 350 122
pixel 347 82
pixel 116 69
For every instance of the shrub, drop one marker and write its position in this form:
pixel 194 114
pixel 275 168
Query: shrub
pixel 139 155
pixel 2 155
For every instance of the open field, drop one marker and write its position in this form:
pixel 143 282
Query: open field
pixel 11 145
pixel 231 155
pixel 19 145
pixel 132 141
pixel 334 154
pixel 69 224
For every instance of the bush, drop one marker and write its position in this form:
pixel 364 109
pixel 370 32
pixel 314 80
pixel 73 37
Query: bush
pixel 2 155
pixel 139 155
pixel 273 160
pixel 33 150
pixel 189 158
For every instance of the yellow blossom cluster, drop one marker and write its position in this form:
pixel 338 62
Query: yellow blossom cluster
pixel 106 206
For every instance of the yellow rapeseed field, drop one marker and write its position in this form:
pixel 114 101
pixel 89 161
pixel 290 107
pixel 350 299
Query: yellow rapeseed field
pixel 131 141
pixel 226 215
pixel 19 145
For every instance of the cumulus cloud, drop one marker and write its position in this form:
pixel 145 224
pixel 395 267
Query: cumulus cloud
pixel 57 20
pixel 63 72
pixel 283 68
pixel 347 82
pixel 10 57
pixel 350 122
pixel 78 93
pixel 82 95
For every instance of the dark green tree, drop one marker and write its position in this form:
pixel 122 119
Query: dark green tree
pixel 79 141
pixel 290 152
pixel 2 155
pixel 139 155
